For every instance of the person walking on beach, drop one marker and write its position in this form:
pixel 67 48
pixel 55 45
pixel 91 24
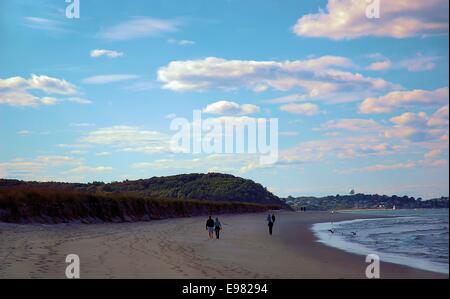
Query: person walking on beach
pixel 270 227
pixel 210 227
pixel 270 222
pixel 217 227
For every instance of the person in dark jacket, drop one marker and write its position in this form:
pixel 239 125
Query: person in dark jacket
pixel 210 227
pixel 273 218
pixel 270 227
pixel 217 227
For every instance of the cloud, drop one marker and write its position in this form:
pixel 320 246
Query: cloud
pixel 45 24
pixel 332 148
pixel 17 91
pixel 105 79
pixel 50 168
pixel 103 154
pixel 24 132
pixel 434 153
pixel 139 27
pixel 48 101
pixel 83 169
pixel 381 167
pixel 435 163
pixel 289 133
pixel 346 19
pixel 48 85
pixel 419 126
pixel 304 109
pixel 82 125
pixel 108 53
pixel 410 118
pixel 403 99
pixel 225 163
pixel 231 108
pixel 35 168
pixel 352 124
pixel 79 100
pixel 396 166
pixel 295 97
pixel 419 63
pixel 439 118
pixel 171 116
pixel 129 139
pixel 322 73
pixel 380 65
pixel 181 42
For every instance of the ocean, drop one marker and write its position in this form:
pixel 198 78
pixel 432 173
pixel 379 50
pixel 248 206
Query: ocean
pixel 416 238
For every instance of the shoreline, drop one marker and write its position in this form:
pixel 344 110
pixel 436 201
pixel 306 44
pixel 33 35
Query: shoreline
pixel 340 258
pixel 180 248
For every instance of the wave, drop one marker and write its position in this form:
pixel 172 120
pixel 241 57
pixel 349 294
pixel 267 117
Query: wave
pixel 413 241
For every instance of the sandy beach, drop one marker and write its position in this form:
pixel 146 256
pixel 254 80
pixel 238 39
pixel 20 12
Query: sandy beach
pixel 180 248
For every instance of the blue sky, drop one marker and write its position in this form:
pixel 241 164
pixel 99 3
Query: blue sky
pixel 361 103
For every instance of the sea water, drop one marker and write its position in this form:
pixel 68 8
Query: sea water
pixel 416 238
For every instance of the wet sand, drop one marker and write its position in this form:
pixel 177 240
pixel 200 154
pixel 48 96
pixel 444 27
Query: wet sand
pixel 180 248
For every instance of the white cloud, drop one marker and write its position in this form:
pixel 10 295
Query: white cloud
pixel 225 163
pixel 35 168
pixel 79 100
pixel 419 126
pixel 419 63
pixel 105 79
pixel 381 167
pixel 346 19
pixel 396 166
pixel 129 139
pixel 295 97
pixel 323 73
pixel 434 153
pixel 24 132
pixel 352 124
pixel 181 42
pixel 108 53
pixel 139 27
pixel 304 109
pixel 83 169
pixel 51 85
pixel 403 99
pixel 332 148
pixel 289 133
pixel 103 154
pixel 48 101
pixel 410 118
pixel 231 108
pixel 45 24
pixel 380 65
pixel 17 91
pixel 440 117
pixel 82 125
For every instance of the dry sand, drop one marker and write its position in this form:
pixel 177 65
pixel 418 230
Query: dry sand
pixel 180 248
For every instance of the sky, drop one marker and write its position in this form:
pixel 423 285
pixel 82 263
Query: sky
pixel 361 99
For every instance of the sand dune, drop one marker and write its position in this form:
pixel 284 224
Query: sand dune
pixel 180 248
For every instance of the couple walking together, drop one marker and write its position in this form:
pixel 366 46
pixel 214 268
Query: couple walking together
pixel 213 226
